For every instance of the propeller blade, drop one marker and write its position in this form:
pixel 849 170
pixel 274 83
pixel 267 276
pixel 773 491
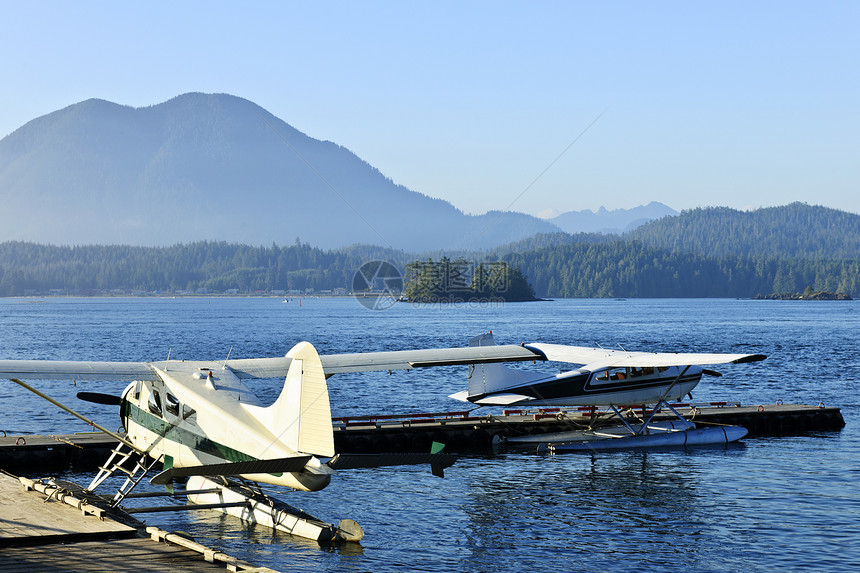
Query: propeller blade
pixel 711 372
pixel 99 398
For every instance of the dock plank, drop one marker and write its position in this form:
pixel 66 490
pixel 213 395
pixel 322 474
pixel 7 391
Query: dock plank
pixel 39 534
pixel 128 555
pixel 26 517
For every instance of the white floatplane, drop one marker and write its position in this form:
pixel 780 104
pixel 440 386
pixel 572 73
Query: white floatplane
pixel 609 378
pixel 198 418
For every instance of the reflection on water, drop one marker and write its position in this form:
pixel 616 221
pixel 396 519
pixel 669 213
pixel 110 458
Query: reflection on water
pixel 785 503
pixel 582 504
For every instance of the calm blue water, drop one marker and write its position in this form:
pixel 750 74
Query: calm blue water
pixel 776 503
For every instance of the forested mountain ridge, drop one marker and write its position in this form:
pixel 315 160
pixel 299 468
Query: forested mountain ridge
pixel 633 269
pixel 797 230
pixel 215 167
pixel 706 252
pixel 587 268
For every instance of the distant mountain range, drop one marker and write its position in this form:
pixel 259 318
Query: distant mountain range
pixel 215 167
pixel 616 221
pixel 219 167
pixel 712 252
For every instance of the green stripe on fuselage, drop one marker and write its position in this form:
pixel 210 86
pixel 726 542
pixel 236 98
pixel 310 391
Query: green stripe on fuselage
pixel 181 436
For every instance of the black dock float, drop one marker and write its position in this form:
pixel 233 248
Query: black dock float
pixel 55 453
pixel 459 431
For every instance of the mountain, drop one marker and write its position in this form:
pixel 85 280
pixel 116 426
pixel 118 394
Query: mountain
pixel 220 168
pixel 611 222
pixel 791 231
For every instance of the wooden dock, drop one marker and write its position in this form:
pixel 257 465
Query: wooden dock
pixel 40 532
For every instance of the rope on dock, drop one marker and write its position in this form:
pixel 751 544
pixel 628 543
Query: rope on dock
pixel 209 555
pixel 53 491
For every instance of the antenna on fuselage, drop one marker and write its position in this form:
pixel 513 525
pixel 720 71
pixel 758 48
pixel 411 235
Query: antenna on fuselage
pixel 167 364
pixel 229 352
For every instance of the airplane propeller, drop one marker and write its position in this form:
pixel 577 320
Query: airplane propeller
pixel 99 398
pixel 711 372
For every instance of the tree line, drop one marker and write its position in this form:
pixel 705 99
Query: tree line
pixel 791 231
pixel 28 268
pixel 632 269
pixel 593 268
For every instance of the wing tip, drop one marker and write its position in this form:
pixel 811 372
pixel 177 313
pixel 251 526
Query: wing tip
pixel 749 358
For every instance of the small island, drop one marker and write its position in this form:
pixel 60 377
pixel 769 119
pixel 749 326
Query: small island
pixel 808 294
pixel 456 281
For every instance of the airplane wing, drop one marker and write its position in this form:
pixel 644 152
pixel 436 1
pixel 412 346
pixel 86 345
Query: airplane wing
pixel 72 370
pixel 595 358
pixel 409 359
pixel 129 371
pixel 391 360
pixel 270 367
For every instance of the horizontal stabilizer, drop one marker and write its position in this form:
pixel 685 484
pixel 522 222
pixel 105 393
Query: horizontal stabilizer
pixel 461 396
pixel 492 400
pixel 354 461
pixel 280 465
pixel 502 399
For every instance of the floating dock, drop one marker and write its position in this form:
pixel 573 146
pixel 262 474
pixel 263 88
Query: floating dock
pixel 57 531
pixel 459 431
pixel 467 432
pixel 56 453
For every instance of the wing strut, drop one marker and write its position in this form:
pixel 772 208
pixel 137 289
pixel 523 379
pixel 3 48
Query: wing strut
pixel 113 435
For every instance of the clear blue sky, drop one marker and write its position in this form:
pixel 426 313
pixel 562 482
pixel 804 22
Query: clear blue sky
pixel 740 104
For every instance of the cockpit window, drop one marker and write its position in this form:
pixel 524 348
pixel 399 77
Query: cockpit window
pixel 155 403
pixel 189 413
pixel 618 374
pixel 172 404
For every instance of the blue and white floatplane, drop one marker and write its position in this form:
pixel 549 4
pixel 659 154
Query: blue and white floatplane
pixel 606 378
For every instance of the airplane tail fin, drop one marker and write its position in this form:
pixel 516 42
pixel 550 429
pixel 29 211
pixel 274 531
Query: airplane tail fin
pixel 488 378
pixel 301 416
